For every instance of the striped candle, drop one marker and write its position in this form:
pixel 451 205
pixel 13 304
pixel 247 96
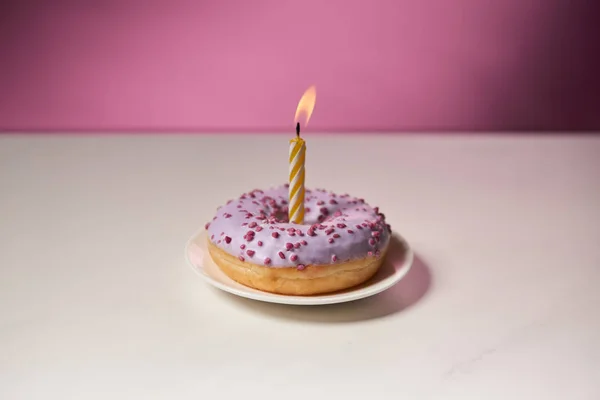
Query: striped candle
pixel 296 189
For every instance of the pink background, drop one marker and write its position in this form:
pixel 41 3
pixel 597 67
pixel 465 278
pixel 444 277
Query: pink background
pixel 234 65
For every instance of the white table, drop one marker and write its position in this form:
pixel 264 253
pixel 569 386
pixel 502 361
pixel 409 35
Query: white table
pixel 96 300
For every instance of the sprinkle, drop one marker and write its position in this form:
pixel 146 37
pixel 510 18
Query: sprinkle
pixel 336 236
pixel 297 245
pixel 310 232
pixel 329 231
pixel 244 224
pixel 372 242
pixel 324 210
pixel 242 246
pixel 341 226
pixel 332 201
pixel 207 225
pixel 239 206
pixel 375 234
pixel 259 243
pixel 241 258
pixel 334 258
pixel 267 261
pixel 304 243
pixel 389 227
pixel 293 257
pixel 359 227
pixel 299 232
pixel 227 239
pixel 320 202
pixel 370 253
pixel 337 214
pixel 301 267
pixel 250 252
pixel 307 209
pixel 376 209
pixel 252 224
pixel 281 255
pixel 365 224
pixel 330 240
pixel 259 228
pixel 212 237
pixel 291 233
pixel 350 231
pixel 275 234
pixel 289 246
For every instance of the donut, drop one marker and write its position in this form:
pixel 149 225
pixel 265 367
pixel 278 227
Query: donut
pixel 341 244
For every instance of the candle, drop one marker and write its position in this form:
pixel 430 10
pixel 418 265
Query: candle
pixel 297 158
pixel 296 190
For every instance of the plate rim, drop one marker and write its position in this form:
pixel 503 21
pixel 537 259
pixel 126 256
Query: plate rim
pixel 345 297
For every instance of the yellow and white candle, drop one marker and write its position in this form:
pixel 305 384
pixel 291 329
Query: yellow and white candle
pixel 296 189
pixel 305 107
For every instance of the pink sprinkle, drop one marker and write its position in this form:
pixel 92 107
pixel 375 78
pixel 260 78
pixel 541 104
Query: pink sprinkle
pixel 329 231
pixel 337 214
pixel 212 237
pixel 372 242
pixel 289 246
pixel 332 201
pixel 389 227
pixel 324 210
pixel 375 234
pixel 290 233
pixel 304 243
pixel 250 252
pixel 330 240
pixel 219 241
pixel 377 253
pixel 227 239
pixel 252 224
pixel 259 228
pixel 320 202
pixel 241 258
pixel 341 226
pixel 336 236
pixel 297 245
pixel 310 232
pixel 242 246
pixel 350 231
pixel 299 232
pixel 301 267
pixel 334 258
pixel 376 209
pixel 250 233
pixel 370 253
pixel 267 261
pixel 239 206
pixel 282 229
pixel 222 233
pixel 307 209
pixel 275 234
pixel 359 227
pixel 281 255
pixel 207 225
pixel 365 224
pixel 259 243
pixel 293 257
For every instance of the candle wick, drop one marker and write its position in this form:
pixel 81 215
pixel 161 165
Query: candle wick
pixel 297 129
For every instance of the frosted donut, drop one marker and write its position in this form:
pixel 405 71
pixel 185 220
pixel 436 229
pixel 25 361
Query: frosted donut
pixel 342 243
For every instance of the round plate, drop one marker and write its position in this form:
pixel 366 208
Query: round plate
pixel 396 265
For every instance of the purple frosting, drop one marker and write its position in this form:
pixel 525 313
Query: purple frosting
pixel 337 228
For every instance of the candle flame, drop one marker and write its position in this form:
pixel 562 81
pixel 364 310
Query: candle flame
pixel 306 105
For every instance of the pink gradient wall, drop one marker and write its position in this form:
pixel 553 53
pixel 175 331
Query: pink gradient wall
pixel 234 65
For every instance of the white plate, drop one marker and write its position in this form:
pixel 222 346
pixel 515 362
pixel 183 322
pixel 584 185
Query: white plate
pixel 397 264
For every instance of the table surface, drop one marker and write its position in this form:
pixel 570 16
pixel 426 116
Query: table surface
pixel 97 302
